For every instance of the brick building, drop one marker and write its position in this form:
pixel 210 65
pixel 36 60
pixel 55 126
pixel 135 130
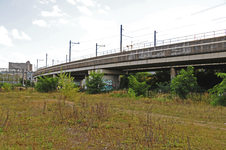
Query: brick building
pixel 26 66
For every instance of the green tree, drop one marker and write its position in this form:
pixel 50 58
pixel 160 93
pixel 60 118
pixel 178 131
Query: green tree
pixel 184 83
pixel 140 88
pixel 47 84
pixel 68 87
pixel 218 91
pixel 95 82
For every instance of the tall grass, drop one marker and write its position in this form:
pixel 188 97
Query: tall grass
pixel 30 120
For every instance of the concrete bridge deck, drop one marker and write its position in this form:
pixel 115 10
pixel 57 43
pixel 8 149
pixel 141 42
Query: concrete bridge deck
pixel 206 51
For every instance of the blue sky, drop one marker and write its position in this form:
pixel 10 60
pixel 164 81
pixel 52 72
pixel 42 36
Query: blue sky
pixel 31 28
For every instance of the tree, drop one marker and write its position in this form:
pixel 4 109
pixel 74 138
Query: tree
pixel 218 91
pixel 68 87
pixel 184 83
pixel 95 82
pixel 140 88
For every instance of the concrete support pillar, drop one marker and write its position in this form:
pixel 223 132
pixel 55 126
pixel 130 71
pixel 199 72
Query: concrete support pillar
pixel 54 75
pixel 119 79
pixel 173 73
pixel 82 83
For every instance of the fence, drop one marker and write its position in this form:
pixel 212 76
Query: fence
pixel 13 76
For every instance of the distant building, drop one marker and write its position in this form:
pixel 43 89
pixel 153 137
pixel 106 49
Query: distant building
pixel 26 66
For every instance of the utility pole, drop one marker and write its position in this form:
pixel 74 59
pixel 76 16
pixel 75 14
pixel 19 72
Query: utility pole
pixel 23 77
pixel 70 49
pixel 121 39
pixel 52 62
pixel 155 38
pixel 46 59
pixel 97 47
pixel 66 58
pixel 37 62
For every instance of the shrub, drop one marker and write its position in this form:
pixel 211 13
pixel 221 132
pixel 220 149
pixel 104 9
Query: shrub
pixel 184 83
pixel 1 84
pixel 218 91
pixel 68 87
pixel 6 87
pixel 164 87
pixel 18 85
pixel 140 88
pixel 46 84
pixel 95 82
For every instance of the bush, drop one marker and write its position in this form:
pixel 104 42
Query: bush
pixel 140 88
pixel 46 84
pixel 184 83
pixel 6 87
pixel 18 85
pixel 164 87
pixel 1 84
pixel 95 82
pixel 218 91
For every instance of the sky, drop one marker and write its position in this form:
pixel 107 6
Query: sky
pixel 30 29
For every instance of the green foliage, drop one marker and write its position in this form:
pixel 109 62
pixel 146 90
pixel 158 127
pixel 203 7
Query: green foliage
pixel 68 87
pixel 218 91
pixel 184 83
pixel 6 87
pixel 18 85
pixel 1 84
pixel 28 83
pixel 46 84
pixel 95 82
pixel 207 79
pixel 164 87
pixel 131 92
pixel 158 77
pixel 140 88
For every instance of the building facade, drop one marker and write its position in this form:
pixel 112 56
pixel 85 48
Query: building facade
pixel 26 66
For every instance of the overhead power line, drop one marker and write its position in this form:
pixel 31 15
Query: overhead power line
pixel 199 12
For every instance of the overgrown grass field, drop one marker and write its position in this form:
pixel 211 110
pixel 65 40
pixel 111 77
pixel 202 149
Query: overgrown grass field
pixel 32 120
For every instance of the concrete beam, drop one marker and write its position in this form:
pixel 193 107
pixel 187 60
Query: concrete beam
pixel 109 72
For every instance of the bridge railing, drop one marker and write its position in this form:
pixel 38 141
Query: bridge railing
pixel 147 44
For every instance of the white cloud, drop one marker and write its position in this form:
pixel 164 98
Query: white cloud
pixel 25 36
pixel 4 37
pixel 47 1
pixel 63 21
pixel 71 1
pixel 16 35
pixel 87 2
pixel 40 23
pixel 101 11
pixel 55 13
pixel 85 10
pixel 107 8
